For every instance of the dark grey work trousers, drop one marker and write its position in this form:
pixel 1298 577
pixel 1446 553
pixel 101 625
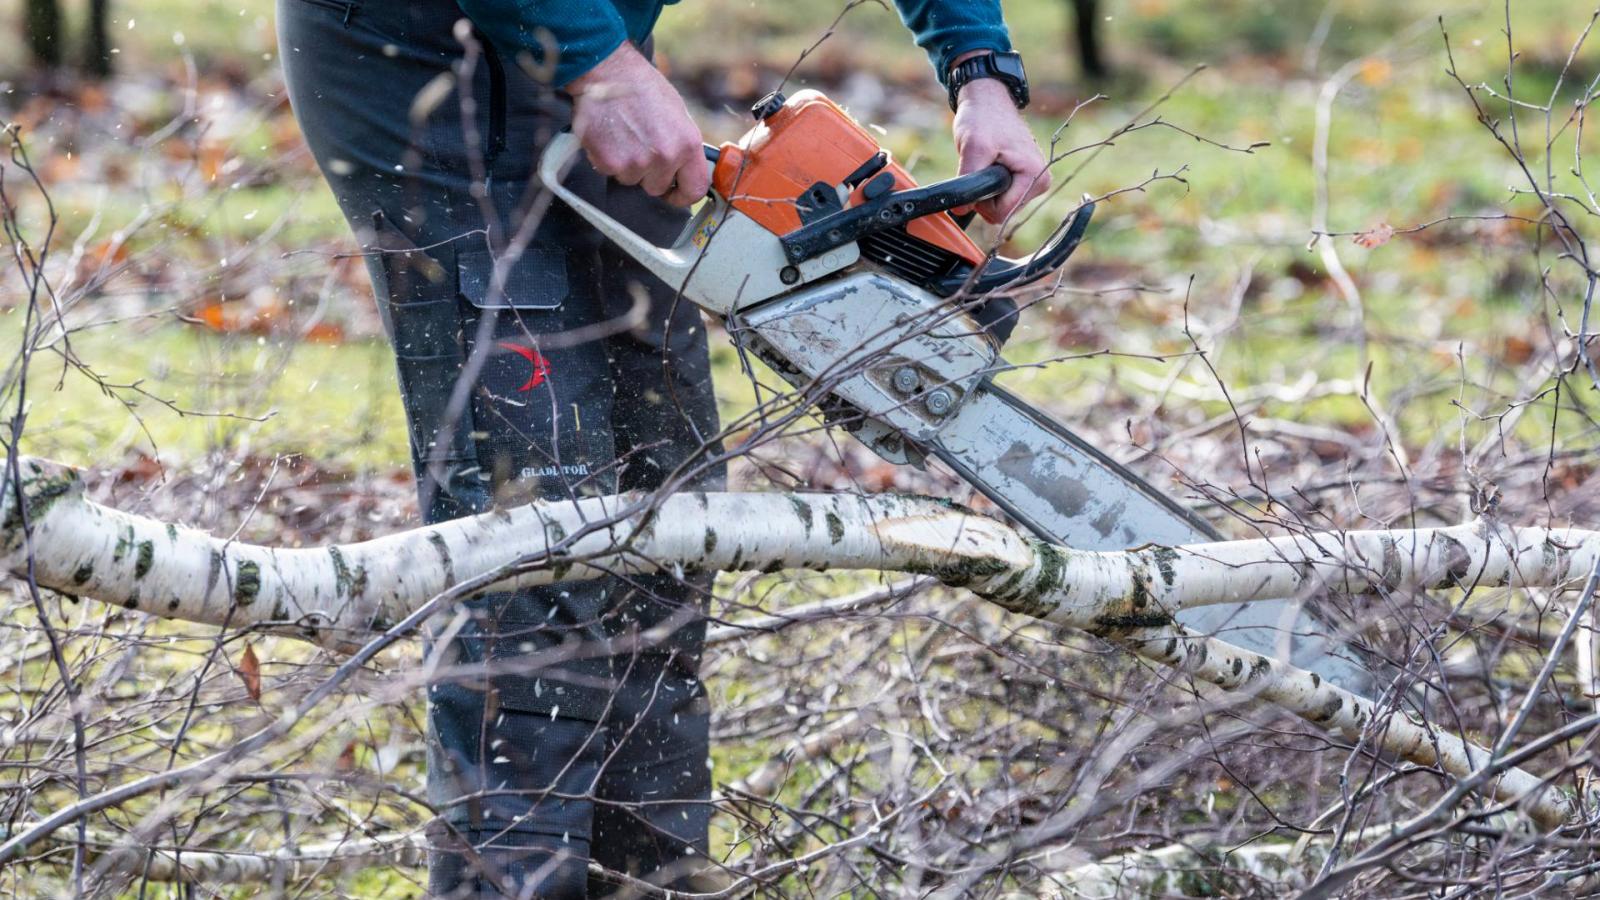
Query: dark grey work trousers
pixel 558 734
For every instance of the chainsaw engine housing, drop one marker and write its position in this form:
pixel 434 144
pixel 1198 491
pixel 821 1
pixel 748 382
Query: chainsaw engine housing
pixel 806 158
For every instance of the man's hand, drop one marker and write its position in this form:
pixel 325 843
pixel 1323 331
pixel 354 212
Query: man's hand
pixel 989 130
pixel 636 129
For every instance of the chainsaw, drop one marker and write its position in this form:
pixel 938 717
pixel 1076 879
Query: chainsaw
pixel 830 264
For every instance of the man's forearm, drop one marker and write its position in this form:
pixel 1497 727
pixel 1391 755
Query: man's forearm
pixel 947 29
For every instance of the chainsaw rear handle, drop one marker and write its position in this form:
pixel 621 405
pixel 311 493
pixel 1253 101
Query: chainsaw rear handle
pixel 670 264
pixel 892 210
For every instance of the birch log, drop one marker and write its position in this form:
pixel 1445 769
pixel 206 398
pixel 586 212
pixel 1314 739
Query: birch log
pixel 340 595
pixel 1202 868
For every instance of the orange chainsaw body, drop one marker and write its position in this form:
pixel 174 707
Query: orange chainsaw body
pixel 810 140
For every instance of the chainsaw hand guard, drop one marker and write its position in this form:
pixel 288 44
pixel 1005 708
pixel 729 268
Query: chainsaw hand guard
pixel 1001 272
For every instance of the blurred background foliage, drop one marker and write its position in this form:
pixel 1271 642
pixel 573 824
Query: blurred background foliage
pixel 191 141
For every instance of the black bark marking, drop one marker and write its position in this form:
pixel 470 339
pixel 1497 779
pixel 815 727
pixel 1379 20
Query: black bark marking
pixel 802 511
pixel 124 544
pixel 1391 564
pixel 1457 561
pixel 247 584
pixel 1052 569
pixel 1139 595
pixel 1006 593
pixel 1133 620
pixel 440 547
pixel 348 582
pixel 146 558
pixel 1164 558
pixel 215 571
pixel 41 492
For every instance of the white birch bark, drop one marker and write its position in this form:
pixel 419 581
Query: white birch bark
pixel 292 864
pixel 1200 869
pixel 340 595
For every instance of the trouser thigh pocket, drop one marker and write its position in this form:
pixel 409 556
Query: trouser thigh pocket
pixel 419 299
pixel 542 398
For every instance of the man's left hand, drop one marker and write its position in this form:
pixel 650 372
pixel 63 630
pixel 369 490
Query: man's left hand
pixel 989 129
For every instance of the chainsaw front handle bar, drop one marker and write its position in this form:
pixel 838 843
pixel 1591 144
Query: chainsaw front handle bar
pixel 891 210
pixel 670 264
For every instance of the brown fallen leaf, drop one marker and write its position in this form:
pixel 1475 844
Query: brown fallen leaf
pixel 250 672
pixel 325 333
pixel 210 158
pixel 1376 237
pixel 347 758
pixel 1518 350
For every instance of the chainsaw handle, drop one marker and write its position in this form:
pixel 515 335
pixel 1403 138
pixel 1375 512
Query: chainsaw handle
pixel 965 190
pixel 670 264
pixel 891 210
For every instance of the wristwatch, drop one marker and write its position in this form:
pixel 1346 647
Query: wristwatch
pixel 1003 67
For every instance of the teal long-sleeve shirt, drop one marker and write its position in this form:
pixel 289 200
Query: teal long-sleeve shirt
pixel 584 32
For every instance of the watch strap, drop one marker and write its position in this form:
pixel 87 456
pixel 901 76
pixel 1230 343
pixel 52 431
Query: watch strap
pixel 1003 67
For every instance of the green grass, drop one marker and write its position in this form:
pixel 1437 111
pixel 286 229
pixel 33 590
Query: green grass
pixel 244 393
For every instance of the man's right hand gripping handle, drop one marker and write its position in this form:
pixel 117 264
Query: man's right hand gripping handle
pixel 636 129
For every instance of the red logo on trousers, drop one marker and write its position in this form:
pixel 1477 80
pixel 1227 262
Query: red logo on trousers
pixel 541 366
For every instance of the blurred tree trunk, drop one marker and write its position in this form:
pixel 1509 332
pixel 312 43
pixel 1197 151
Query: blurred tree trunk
pixel 42 24
pixel 97 43
pixel 1087 31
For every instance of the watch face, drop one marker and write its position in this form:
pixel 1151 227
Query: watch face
pixel 1009 64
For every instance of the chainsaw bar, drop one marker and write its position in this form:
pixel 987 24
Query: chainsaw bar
pixel 1068 492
